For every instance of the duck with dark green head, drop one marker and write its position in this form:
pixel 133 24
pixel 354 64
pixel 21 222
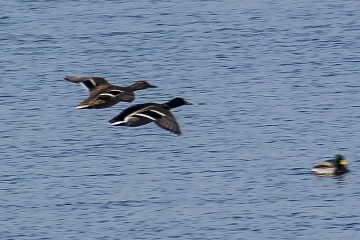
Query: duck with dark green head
pixel 334 166
pixel 141 114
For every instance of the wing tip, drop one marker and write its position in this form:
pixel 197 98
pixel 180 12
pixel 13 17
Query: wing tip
pixel 116 123
pixel 82 106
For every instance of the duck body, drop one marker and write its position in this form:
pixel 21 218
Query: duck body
pixel 141 114
pixel 102 94
pixel 335 166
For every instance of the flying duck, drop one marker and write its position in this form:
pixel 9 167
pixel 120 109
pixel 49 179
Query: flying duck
pixel 336 166
pixel 103 94
pixel 141 114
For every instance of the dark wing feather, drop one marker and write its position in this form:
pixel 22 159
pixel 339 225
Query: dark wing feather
pixel 89 82
pixel 130 111
pixel 169 124
pixel 168 121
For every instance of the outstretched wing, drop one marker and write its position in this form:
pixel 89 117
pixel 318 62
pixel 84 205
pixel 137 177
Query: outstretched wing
pixel 163 118
pixel 169 123
pixel 130 113
pixel 88 82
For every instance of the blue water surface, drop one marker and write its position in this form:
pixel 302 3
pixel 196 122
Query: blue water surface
pixel 275 87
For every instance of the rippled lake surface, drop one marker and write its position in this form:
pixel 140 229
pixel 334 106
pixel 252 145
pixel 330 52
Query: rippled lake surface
pixel 275 87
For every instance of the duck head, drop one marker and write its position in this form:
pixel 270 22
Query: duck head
pixel 339 160
pixel 140 85
pixel 177 102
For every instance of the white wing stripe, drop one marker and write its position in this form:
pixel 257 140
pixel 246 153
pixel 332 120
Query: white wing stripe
pixel 117 90
pixel 107 94
pixel 144 115
pixel 116 123
pixel 93 82
pixel 160 113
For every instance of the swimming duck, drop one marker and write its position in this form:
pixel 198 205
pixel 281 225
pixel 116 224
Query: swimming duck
pixel 141 114
pixel 336 166
pixel 103 94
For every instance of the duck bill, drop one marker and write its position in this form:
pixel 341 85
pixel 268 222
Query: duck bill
pixel 152 86
pixel 188 103
pixel 344 162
